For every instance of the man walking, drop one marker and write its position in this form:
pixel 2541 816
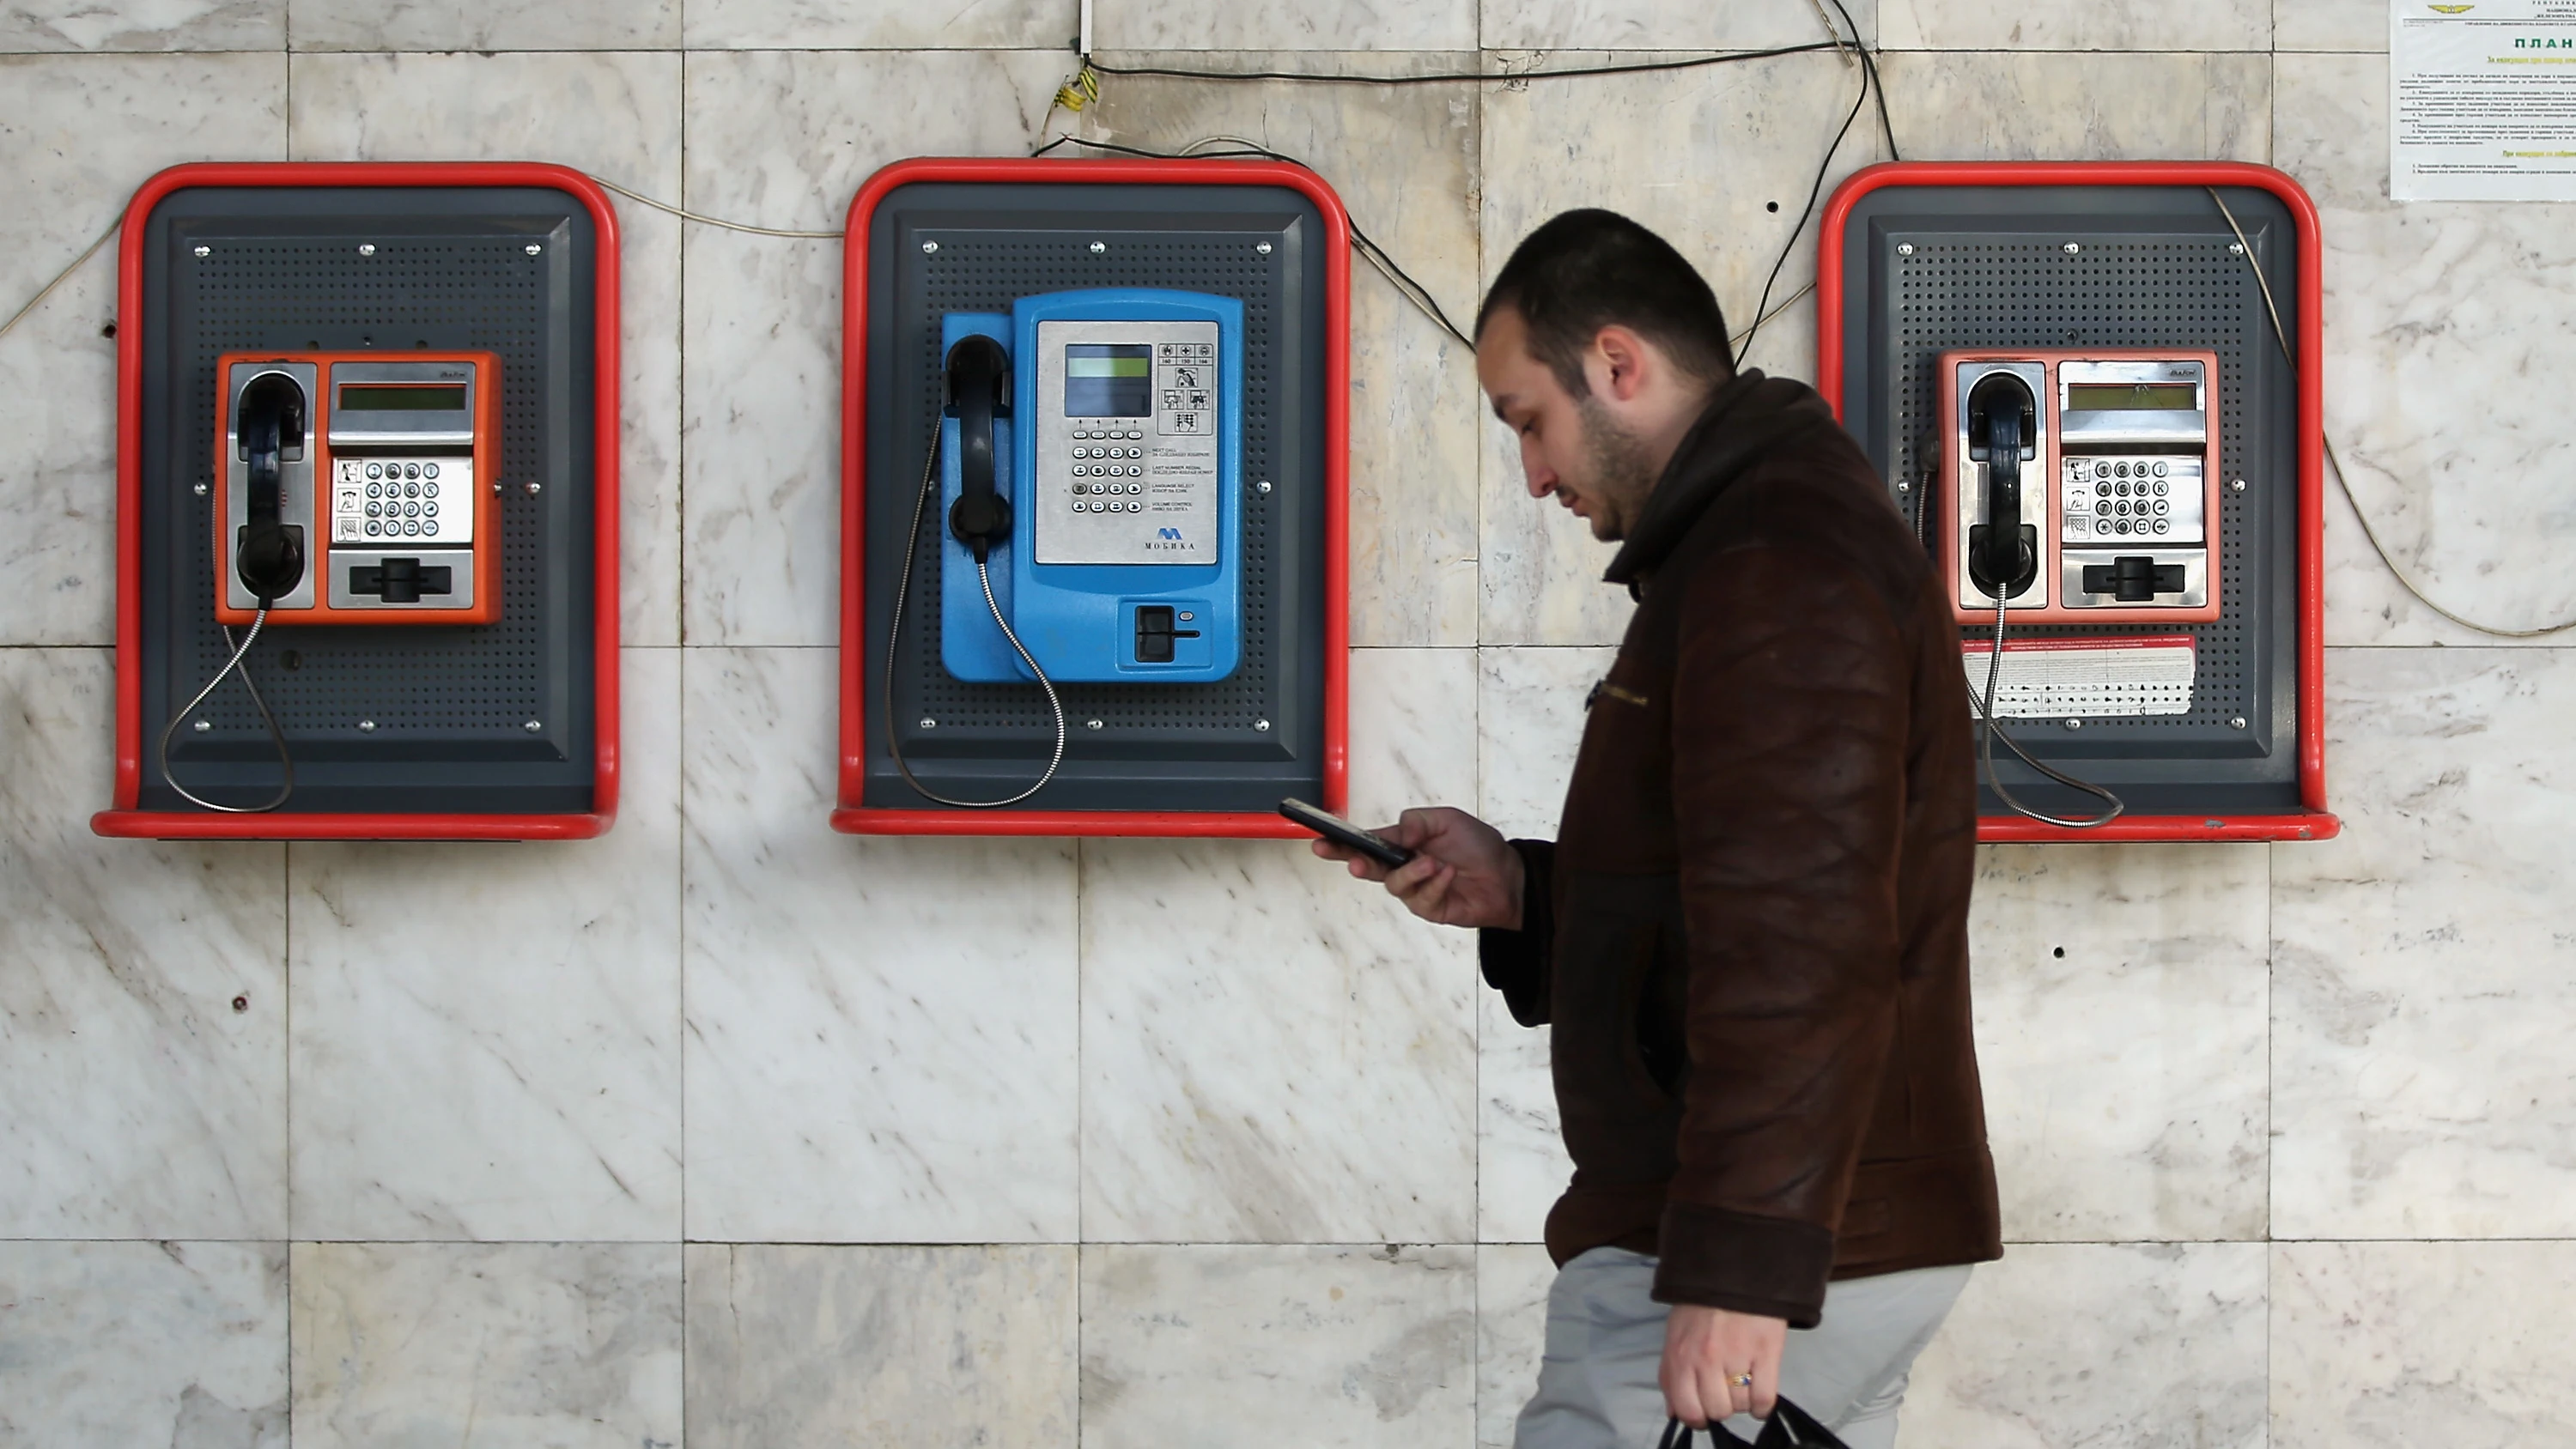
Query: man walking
pixel 1749 938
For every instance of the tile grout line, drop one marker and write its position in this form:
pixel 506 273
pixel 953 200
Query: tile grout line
pixel 680 634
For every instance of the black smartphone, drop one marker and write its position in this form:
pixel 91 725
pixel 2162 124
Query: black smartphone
pixel 1342 832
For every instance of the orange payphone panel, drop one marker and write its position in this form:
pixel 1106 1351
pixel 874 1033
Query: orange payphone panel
pixel 358 488
pixel 2080 486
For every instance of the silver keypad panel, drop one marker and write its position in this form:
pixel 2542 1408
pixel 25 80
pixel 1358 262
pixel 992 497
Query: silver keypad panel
pixel 413 498
pixel 2146 499
pixel 1139 486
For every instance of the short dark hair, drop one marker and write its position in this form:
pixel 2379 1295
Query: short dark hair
pixel 1585 270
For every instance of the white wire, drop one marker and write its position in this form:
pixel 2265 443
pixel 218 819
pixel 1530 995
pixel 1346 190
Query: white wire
pixel 60 277
pixel 274 734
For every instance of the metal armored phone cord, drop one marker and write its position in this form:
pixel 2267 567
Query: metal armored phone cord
pixel 1986 718
pixel 276 736
pixel 894 638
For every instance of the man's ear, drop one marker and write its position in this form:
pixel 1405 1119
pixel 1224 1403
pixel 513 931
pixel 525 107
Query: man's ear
pixel 1619 364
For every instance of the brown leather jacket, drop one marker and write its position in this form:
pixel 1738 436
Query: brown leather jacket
pixel 1751 934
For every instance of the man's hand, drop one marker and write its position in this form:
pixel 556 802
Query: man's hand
pixel 1463 873
pixel 1706 1349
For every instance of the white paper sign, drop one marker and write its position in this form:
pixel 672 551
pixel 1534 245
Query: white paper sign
pixel 2482 100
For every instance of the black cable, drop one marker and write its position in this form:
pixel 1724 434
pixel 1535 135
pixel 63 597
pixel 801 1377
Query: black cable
pixel 1455 77
pixel 1877 87
pixel 1824 168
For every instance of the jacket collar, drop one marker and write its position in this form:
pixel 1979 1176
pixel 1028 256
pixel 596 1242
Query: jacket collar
pixel 1745 419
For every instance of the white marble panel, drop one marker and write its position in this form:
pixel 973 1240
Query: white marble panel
pixel 171 1343
pixel 2424 970
pixel 831 25
pixel 1415 411
pixel 1354 1347
pixel 881 1030
pixel 485 1040
pixel 2394 1344
pixel 2134 25
pixel 177 25
pixel 1521 1164
pixel 2434 311
pixel 2020 106
pixel 1553 145
pixel 2155 1346
pixel 567 1345
pixel 2330 25
pixel 784 140
pixel 484 25
pixel 1348 25
pixel 1662 24
pixel 1529 715
pixel 615 116
pixel 1413 731
pixel 1512 1280
pixel 1271 1052
pixel 142 994
pixel 2123 1027
pixel 881 1345
pixel 81 133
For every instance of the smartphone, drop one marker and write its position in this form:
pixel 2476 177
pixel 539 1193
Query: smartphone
pixel 1342 832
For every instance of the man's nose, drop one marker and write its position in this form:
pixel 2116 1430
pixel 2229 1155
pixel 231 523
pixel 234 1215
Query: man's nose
pixel 1540 477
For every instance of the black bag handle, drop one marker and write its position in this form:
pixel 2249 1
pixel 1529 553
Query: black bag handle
pixel 1789 1427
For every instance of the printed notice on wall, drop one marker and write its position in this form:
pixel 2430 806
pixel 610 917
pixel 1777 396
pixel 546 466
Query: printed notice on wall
pixel 2482 101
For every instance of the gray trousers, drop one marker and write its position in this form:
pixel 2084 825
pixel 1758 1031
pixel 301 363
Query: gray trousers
pixel 1605 1343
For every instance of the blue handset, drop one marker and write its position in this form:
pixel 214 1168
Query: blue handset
pixel 1124 441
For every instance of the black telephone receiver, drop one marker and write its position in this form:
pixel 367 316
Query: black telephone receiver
pixel 2003 430
pixel 268 555
pixel 979 391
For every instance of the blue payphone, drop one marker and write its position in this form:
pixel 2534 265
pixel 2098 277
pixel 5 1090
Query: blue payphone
pixel 1090 461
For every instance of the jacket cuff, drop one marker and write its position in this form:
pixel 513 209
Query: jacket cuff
pixel 1745 1264
pixel 1516 963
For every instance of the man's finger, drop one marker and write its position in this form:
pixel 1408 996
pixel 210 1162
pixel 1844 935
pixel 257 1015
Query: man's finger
pixel 1766 1385
pixel 1739 1392
pixel 1681 1397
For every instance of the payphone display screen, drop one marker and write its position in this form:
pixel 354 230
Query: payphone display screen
pixel 1108 380
pixel 383 397
pixel 2089 397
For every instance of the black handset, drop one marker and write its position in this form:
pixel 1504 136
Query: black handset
pixel 268 421
pixel 979 391
pixel 2003 430
pixel 1342 832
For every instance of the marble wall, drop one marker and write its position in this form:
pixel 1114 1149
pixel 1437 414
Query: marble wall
pixel 732 1131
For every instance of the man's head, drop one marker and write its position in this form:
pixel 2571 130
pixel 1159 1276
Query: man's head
pixel 1599 346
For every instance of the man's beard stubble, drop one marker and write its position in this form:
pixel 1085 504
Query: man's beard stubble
pixel 1622 472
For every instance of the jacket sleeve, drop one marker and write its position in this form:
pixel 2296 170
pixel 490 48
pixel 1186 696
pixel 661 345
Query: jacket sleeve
pixel 1520 963
pixel 1790 705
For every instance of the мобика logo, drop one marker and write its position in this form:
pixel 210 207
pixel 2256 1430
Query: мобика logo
pixel 1167 533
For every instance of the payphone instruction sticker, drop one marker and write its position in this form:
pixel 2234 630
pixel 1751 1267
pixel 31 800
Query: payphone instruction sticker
pixel 1127 437
pixel 2482 101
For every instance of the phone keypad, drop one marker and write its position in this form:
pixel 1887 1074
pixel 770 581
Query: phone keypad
pixel 402 500
pixel 2157 500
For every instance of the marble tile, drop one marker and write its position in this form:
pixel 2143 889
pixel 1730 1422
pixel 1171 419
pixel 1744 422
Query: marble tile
pixel 484 25
pixel 2422 990
pixel 1271 1052
pixel 141 1101
pixel 616 116
pixel 1512 1280
pixel 569 1345
pixel 1415 410
pixel 1354 1347
pixel 2123 1026
pixel 485 1040
pixel 81 133
pixel 1521 1165
pixel 784 139
pixel 2133 25
pixel 2428 310
pixel 881 1345
pixel 1352 25
pixel 1529 723
pixel 2155 1346
pixel 2389 1344
pixel 1661 24
pixel 170 25
pixel 1413 731
pixel 2330 25
pixel 1553 145
pixel 143 1343
pixel 825 25
pixel 881 1030
pixel 2021 106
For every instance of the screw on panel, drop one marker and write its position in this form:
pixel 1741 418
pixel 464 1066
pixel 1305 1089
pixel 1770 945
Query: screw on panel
pixel 533 249
pixel 199 490
pixel 2072 249
pixel 201 726
pixel 366 249
pixel 2236 723
pixel 1092 724
pixel 928 723
pixel 1905 249
pixel 1262 725
pixel 1261 487
pixel 534 726
pixel 2236 249
pixel 1262 247
pixel 205 251
pixel 2236 485
pixel 534 488
pixel 929 247
pixel 366 726
pixel 1903 488
pixel 1098 247
pixel 2075 724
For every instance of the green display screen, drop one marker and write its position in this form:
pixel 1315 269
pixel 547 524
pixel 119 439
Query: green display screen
pixel 2131 397
pixel 402 397
pixel 1108 380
